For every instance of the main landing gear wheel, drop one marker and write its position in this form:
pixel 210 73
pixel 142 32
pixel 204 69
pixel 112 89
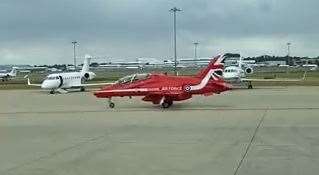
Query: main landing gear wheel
pixel 82 89
pixel 111 105
pixel 52 92
pixel 167 104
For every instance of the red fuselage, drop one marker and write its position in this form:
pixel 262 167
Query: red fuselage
pixel 158 86
pixel 164 89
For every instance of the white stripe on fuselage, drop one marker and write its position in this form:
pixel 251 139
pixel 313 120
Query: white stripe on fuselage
pixel 132 90
pixel 205 80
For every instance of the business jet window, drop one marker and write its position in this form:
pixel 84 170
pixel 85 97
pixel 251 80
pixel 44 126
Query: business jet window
pixel 230 70
pixel 52 78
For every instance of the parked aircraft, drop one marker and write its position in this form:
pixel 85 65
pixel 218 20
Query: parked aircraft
pixel 164 89
pixel 9 75
pixel 68 80
pixel 237 74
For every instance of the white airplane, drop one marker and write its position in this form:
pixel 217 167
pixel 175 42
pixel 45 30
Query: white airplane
pixel 60 82
pixel 8 76
pixel 237 74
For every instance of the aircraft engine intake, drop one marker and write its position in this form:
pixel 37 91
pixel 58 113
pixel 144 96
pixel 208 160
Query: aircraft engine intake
pixel 249 70
pixel 88 76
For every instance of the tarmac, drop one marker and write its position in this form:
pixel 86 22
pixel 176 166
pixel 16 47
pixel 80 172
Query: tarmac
pixel 271 130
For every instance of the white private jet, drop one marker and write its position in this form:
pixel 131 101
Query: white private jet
pixel 237 74
pixel 60 82
pixel 8 76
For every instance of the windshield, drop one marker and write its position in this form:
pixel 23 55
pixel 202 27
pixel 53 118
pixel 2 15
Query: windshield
pixel 133 78
pixel 52 78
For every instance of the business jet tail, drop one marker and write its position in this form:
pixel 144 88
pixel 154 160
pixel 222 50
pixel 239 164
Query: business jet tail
pixel 86 64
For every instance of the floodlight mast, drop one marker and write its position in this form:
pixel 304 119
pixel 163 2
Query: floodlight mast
pixel 174 10
pixel 288 49
pixel 195 50
pixel 74 55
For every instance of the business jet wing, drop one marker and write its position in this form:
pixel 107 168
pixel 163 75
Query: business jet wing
pixel 274 80
pixel 62 91
pixel 270 80
pixel 30 84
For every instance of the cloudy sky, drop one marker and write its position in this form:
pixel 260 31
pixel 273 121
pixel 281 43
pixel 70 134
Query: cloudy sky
pixel 41 31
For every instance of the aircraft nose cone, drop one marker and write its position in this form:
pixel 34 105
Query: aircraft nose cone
pixel 49 84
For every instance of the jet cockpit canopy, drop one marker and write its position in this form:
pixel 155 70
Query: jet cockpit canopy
pixel 133 78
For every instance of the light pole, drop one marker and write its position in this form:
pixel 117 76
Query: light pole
pixel 195 50
pixel 288 49
pixel 174 10
pixel 74 56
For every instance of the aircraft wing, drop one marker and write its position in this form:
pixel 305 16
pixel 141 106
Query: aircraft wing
pixel 269 80
pixel 156 97
pixel 30 84
pixel 96 84
pixel 273 80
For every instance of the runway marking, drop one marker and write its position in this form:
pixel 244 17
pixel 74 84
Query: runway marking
pixel 250 142
pixel 144 109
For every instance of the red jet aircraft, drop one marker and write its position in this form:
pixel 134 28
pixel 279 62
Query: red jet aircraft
pixel 164 89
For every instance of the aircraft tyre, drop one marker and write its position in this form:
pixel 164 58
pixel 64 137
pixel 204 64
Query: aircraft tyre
pixel 82 89
pixel 52 92
pixel 111 105
pixel 167 104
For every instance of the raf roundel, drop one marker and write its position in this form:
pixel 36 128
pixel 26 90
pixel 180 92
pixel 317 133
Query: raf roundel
pixel 187 88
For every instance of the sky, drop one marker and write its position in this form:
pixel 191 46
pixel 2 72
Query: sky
pixel 41 31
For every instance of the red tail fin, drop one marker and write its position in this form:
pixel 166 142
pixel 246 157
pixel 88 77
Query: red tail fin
pixel 215 63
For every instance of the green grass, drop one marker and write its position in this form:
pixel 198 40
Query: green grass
pixel 110 75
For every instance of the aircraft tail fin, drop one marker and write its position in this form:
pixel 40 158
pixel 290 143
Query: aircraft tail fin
pixel 216 63
pixel 13 72
pixel 214 72
pixel 86 64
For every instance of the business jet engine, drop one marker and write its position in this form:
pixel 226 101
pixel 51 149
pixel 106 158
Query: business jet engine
pixel 249 70
pixel 88 75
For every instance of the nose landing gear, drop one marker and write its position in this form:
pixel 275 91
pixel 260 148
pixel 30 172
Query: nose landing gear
pixel 111 104
pixel 250 86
